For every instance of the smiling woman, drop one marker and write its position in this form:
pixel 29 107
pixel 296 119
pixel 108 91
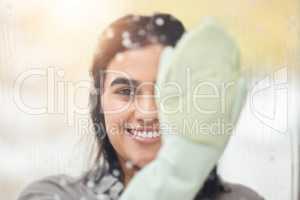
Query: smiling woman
pixel 125 115
pixel 140 116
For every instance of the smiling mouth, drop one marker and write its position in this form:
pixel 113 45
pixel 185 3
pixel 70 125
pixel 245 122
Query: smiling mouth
pixel 143 134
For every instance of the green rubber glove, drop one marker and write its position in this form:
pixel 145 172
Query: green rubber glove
pixel 199 85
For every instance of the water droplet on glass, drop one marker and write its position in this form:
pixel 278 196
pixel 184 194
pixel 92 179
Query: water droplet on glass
pixel 125 34
pixel 90 184
pixel 116 172
pixel 129 164
pixel 127 43
pixel 159 21
pixel 141 32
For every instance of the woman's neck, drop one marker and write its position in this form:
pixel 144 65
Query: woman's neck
pixel 127 171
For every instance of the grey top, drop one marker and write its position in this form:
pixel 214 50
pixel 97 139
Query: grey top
pixel 96 185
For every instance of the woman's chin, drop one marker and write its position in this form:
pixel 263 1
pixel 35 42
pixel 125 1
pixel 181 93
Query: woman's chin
pixel 141 158
pixel 141 154
pixel 140 163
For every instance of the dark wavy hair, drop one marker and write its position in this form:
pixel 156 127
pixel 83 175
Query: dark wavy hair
pixel 143 30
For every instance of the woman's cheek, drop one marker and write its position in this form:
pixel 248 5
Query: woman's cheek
pixel 115 106
pixel 116 114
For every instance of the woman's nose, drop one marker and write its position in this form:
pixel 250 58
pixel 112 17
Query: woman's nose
pixel 146 109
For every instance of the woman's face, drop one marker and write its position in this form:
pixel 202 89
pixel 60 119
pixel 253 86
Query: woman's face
pixel 129 105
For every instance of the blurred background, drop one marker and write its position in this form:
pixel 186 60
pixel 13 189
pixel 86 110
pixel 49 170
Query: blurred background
pixel 46 48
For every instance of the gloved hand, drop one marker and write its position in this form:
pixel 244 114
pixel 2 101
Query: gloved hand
pixel 200 93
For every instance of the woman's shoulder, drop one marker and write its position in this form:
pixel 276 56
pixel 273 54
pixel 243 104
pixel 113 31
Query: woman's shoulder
pixel 63 187
pixel 58 187
pixel 96 183
pixel 238 191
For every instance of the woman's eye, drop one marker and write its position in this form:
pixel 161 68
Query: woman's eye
pixel 127 92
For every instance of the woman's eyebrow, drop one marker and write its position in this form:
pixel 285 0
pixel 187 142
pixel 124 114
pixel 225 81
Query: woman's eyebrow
pixel 126 81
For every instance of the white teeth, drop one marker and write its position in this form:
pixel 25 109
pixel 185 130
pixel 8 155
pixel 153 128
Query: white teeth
pixel 146 134
pixel 150 134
